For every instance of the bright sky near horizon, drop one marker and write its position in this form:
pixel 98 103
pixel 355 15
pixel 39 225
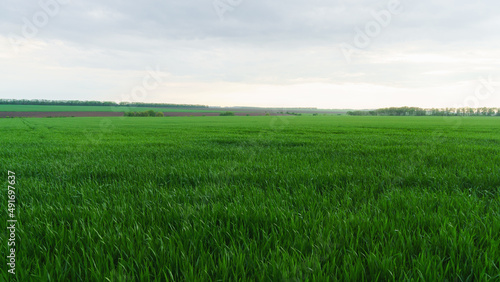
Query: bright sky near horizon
pixel 318 53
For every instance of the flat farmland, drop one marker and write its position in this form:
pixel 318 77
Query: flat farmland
pixel 254 198
pixel 120 109
pixel 41 111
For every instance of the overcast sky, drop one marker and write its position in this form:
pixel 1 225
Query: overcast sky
pixel 293 53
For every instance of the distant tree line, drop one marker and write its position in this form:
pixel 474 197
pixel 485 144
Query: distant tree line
pixel 149 113
pixel 95 103
pixel 414 111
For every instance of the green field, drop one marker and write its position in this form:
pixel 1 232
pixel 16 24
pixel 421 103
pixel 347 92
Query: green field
pixel 47 108
pixel 254 198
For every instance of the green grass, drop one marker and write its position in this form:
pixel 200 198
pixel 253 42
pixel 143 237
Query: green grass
pixel 254 198
pixel 47 108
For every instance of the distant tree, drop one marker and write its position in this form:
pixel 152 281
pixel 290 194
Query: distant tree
pixel 149 113
pixel 358 113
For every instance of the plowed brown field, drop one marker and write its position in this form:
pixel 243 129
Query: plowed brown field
pixel 113 114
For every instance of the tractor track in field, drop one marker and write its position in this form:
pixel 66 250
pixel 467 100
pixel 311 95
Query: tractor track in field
pixel 29 125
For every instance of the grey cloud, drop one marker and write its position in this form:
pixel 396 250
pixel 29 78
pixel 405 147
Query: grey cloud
pixel 260 39
pixel 253 22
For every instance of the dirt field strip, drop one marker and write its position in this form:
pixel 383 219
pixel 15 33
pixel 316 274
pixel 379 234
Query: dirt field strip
pixel 116 114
